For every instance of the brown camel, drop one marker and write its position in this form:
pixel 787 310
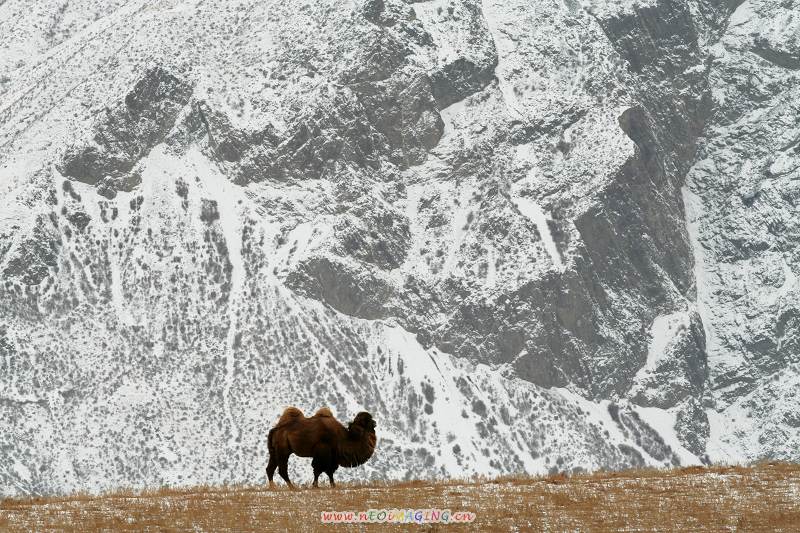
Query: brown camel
pixel 321 437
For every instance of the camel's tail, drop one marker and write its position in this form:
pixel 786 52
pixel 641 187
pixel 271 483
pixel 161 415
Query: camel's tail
pixel 271 449
pixel 270 445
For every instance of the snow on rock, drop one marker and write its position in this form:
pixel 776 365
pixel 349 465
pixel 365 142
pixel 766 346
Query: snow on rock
pixel 533 237
pixel 664 330
pixel 738 199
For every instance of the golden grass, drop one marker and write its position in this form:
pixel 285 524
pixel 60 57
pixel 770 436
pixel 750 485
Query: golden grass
pixel 764 497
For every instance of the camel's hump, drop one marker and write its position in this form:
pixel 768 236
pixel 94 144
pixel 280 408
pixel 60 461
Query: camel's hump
pixel 289 413
pixel 324 412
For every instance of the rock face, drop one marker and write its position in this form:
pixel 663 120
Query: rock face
pixel 526 237
pixel 127 133
pixel 741 197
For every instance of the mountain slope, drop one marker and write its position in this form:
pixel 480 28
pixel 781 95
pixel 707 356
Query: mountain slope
pixel 469 218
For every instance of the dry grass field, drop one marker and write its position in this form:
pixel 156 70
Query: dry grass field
pixel 764 497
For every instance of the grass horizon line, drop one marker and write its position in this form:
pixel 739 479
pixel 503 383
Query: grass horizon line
pixel 473 480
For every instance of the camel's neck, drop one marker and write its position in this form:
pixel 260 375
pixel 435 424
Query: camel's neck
pixel 356 452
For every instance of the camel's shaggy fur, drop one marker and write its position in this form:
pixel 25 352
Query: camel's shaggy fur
pixel 321 437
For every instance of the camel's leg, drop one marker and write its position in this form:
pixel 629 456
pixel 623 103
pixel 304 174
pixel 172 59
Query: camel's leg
pixel 315 464
pixel 271 466
pixel 330 477
pixel 283 470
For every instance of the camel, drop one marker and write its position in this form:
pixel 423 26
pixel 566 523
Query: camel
pixel 321 437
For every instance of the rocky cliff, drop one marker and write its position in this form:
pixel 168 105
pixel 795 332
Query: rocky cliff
pixel 538 236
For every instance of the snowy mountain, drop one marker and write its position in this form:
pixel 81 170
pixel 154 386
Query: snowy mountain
pixel 527 236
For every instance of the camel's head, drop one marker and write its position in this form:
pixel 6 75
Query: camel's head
pixel 363 423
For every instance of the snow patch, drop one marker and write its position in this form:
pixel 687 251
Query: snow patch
pixel 663 421
pixel 599 414
pixel 660 420
pixel 229 198
pixel 694 215
pixel 453 416
pixel 664 329
pixel 134 394
pixel 530 208
pixel 459 221
pixel 534 212
pixel 449 116
pixel 503 45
